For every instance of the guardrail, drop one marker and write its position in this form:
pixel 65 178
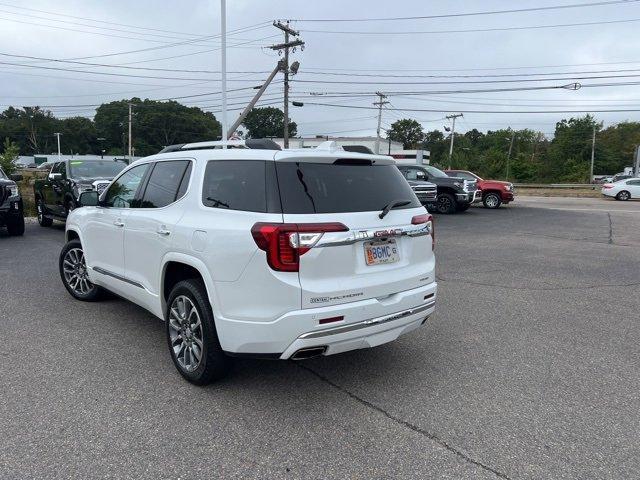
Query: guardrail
pixel 573 186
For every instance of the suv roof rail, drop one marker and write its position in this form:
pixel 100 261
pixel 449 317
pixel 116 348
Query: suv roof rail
pixel 252 143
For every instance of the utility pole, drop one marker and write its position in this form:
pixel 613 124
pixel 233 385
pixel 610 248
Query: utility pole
pixel 379 104
pixel 513 137
pixel 593 152
pixel 286 46
pixel 58 137
pixel 453 134
pixel 255 99
pixel 130 106
pixel 223 50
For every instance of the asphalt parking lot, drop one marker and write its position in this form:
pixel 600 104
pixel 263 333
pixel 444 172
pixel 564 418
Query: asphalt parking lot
pixel 528 369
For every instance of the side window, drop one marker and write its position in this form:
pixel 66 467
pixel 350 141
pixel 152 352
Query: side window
pixel 235 185
pixel 633 182
pixel 165 183
pixel 122 191
pixel 62 168
pixel 184 183
pixel 413 174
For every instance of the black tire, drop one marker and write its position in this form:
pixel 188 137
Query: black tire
pixel 623 196
pixel 431 207
pixel 69 207
pixel 463 207
pixel 84 290
pixel 446 203
pixel 213 363
pixel 16 227
pixel 42 220
pixel 491 200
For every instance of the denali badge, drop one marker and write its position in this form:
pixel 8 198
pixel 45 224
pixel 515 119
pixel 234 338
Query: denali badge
pixel 392 232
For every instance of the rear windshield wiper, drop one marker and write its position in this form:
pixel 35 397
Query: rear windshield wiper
pixel 217 203
pixel 391 205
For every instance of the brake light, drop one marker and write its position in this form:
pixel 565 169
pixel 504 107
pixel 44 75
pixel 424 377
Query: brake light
pixel 285 243
pixel 426 218
pixel 607 186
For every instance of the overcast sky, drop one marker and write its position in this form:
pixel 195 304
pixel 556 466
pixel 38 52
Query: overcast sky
pixel 68 29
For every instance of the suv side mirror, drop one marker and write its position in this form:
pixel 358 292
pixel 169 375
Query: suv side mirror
pixel 16 177
pixel 55 176
pixel 88 199
pixel 420 175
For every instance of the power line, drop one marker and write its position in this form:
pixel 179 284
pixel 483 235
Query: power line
pixel 480 111
pixel 468 14
pixel 97 21
pixel 473 30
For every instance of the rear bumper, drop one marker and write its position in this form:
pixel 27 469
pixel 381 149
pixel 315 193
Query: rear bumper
pixel 366 323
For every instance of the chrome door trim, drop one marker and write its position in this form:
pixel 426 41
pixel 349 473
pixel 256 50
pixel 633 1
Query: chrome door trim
pixel 117 277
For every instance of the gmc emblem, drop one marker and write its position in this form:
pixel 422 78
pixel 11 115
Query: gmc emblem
pixel 394 232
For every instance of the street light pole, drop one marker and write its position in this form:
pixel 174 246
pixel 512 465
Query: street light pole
pixel 58 137
pixel 513 137
pixel 223 33
pixel 593 153
pixel 453 134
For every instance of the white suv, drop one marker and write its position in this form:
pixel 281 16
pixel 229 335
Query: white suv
pixel 261 253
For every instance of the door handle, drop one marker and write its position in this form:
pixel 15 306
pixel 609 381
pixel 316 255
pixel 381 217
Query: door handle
pixel 163 232
pixel 118 223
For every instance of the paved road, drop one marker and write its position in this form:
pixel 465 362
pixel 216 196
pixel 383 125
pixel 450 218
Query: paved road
pixel 529 369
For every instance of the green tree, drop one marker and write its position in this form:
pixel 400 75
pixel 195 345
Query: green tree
pixel 408 132
pixel 154 125
pixel 9 156
pixel 78 136
pixel 267 122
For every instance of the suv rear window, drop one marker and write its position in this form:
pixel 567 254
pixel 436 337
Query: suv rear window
pixel 343 187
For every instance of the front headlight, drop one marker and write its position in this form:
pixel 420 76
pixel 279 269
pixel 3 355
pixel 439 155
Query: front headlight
pixel 15 191
pixel 508 187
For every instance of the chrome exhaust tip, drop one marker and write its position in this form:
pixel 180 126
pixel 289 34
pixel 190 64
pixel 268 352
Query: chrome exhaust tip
pixel 310 352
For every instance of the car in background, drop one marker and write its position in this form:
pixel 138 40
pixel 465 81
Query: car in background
pixel 45 166
pixel 492 192
pixel 11 207
pixel 622 190
pixel 453 194
pixel 58 194
pixel 620 176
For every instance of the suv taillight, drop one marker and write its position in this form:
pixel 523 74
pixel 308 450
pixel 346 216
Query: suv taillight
pixel 285 243
pixel 426 218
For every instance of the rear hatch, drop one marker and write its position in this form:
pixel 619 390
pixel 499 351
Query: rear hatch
pixel 368 256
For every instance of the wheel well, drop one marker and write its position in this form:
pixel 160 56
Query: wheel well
pixel 71 235
pixel 176 272
pixel 448 190
pixel 485 192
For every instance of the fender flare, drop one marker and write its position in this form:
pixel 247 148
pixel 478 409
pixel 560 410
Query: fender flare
pixel 199 266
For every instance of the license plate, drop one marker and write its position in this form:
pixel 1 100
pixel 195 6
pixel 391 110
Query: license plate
pixel 377 253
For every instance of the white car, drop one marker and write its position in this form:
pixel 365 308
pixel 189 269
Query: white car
pixel 623 189
pixel 258 253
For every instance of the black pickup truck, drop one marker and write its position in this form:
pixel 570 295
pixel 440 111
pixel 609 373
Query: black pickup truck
pixel 58 194
pixel 11 208
pixel 454 194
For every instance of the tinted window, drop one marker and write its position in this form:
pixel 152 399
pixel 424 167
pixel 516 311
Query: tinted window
pixel 2 174
pixel 184 183
pixel 413 174
pixel 235 185
pixel 164 183
pixel 633 182
pixel 95 168
pixel 332 188
pixel 122 192
pixel 463 175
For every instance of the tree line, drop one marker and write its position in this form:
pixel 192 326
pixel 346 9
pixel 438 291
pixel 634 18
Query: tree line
pixel 154 126
pixel 534 157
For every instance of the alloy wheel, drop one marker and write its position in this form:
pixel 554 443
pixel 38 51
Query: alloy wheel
pixel 444 204
pixel 74 269
pixel 491 201
pixel 185 330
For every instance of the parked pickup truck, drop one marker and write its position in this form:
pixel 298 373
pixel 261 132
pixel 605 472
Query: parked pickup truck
pixel 454 194
pixel 426 192
pixel 492 192
pixel 11 211
pixel 58 194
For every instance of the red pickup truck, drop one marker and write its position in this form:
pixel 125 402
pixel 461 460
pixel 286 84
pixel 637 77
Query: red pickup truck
pixel 494 192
